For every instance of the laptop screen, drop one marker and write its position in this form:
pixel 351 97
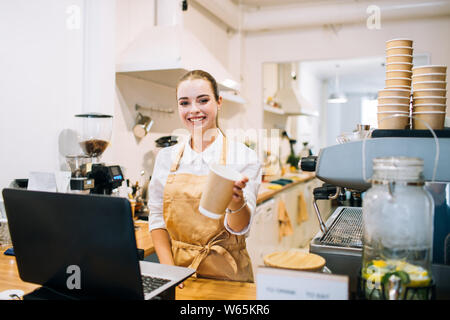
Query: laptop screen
pixel 83 246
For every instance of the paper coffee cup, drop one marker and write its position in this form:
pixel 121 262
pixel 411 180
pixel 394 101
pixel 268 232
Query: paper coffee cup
pixel 435 120
pixel 429 69
pixel 399 58
pixel 398 74
pixel 429 77
pixel 429 100
pixel 400 82
pixel 393 107
pixel 401 42
pixel 393 120
pixel 426 107
pixel 399 66
pixel 218 190
pixel 394 100
pixel 430 93
pixel 429 85
pixel 394 92
pixel 399 50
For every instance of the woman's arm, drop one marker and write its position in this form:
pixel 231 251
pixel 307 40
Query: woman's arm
pixel 163 248
pixel 239 220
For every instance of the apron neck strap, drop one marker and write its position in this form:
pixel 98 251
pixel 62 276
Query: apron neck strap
pixel 223 156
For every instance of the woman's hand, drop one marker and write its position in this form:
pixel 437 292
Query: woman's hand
pixel 237 200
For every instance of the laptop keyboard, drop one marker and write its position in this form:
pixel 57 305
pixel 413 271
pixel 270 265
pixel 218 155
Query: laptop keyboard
pixel 152 283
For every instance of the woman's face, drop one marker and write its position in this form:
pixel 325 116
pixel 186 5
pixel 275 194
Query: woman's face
pixel 197 105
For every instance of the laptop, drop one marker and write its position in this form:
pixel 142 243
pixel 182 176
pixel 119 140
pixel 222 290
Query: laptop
pixel 83 247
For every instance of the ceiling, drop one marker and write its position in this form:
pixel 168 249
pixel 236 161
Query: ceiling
pixel 271 3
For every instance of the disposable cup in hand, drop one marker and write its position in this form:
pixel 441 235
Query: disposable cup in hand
pixel 218 190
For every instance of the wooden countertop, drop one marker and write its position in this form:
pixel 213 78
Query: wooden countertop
pixel 194 288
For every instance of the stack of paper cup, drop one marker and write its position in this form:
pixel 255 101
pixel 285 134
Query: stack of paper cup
pixel 393 108
pixel 429 96
pixel 399 55
pixel 394 100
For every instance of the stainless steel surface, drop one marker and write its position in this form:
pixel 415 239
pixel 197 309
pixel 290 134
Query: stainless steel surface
pixel 343 235
pixel 322 225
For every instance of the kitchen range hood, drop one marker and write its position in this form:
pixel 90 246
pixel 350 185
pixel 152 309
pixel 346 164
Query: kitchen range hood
pixel 290 99
pixel 162 54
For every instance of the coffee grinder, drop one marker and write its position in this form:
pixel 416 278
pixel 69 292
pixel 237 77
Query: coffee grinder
pixel 94 138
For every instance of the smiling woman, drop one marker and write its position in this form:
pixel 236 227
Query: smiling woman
pixel 180 233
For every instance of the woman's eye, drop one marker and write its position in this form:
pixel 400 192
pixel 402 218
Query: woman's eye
pixel 204 101
pixel 184 103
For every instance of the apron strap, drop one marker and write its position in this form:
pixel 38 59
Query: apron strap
pixel 223 156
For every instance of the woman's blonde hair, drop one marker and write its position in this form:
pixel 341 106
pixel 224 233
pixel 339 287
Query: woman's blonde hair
pixel 203 75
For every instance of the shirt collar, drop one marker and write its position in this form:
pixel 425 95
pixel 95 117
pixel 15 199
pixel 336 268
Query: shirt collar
pixel 209 155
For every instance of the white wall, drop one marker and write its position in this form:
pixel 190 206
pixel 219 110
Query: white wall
pixel 41 62
pixel 351 41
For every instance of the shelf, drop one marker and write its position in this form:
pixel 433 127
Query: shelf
pixel 273 109
pixel 280 111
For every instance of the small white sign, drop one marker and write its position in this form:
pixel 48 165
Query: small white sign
pixel 284 284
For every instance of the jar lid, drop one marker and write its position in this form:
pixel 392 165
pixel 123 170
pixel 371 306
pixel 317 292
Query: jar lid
pixel 397 168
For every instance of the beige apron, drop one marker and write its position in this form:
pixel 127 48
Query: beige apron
pixel 200 242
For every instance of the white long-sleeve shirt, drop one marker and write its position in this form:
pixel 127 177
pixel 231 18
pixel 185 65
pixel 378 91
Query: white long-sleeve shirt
pixel 239 157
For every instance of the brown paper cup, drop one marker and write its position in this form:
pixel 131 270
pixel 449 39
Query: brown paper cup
pixel 389 120
pixel 429 69
pixel 399 43
pixel 398 82
pixel 394 93
pixel 406 66
pixel 429 85
pixel 435 120
pixel 430 93
pixel 218 190
pixel 429 77
pixel 429 100
pixel 398 74
pixel 393 107
pixel 429 107
pixel 399 58
pixel 399 50
pixel 393 100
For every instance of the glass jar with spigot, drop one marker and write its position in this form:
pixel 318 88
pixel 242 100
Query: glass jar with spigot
pixel 398 232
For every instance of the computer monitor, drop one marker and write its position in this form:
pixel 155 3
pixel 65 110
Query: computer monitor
pixel 80 246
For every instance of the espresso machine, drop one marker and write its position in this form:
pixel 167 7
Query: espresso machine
pixel 346 168
pixel 89 174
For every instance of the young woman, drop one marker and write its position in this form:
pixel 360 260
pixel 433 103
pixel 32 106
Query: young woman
pixel 181 234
